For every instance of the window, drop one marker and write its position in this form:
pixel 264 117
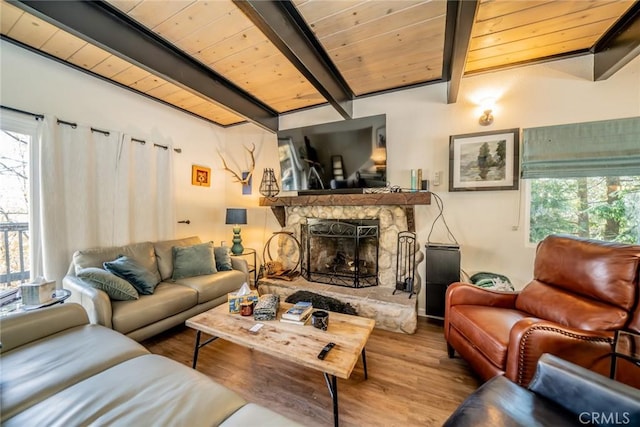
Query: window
pixel 603 208
pixel 16 134
pixel 584 180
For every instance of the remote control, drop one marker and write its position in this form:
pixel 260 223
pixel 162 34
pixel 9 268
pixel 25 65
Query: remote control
pixel 325 350
pixel 255 328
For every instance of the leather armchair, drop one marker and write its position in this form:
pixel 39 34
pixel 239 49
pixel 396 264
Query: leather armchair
pixel 582 292
pixel 561 394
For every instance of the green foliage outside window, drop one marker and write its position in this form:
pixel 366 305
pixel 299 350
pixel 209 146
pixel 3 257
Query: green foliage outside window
pixel 603 208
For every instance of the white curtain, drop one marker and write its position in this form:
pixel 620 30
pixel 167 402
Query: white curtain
pixel 99 190
pixel 144 205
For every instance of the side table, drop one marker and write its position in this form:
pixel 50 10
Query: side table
pixel 15 307
pixel 252 267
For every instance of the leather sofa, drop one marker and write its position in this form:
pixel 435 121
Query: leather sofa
pixel 560 394
pixel 60 370
pixel 171 303
pixel 582 292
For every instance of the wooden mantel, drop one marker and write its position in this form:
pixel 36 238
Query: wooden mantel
pixel 407 200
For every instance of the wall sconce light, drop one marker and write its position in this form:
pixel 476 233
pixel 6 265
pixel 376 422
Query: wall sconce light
pixel 486 118
pixel 487 107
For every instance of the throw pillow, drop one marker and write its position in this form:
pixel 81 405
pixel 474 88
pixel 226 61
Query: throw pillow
pixel 196 260
pixel 223 258
pixel 117 288
pixel 133 272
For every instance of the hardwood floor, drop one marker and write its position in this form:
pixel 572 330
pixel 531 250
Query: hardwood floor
pixel 411 381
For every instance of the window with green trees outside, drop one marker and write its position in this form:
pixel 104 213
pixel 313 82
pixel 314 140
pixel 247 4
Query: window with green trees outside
pixel 603 208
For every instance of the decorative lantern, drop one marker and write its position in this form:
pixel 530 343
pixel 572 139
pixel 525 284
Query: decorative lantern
pixel 269 184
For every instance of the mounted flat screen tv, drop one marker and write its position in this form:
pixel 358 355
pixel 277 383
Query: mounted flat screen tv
pixel 340 156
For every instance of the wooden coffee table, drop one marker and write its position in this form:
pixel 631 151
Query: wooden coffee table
pixel 293 343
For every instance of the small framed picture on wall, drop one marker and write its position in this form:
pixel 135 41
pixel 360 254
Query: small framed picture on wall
pixel 201 176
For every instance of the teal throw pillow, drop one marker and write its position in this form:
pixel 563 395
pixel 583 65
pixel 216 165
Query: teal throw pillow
pixel 117 288
pixel 133 272
pixel 196 260
pixel 223 258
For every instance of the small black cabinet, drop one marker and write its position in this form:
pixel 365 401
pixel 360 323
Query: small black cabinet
pixel 442 269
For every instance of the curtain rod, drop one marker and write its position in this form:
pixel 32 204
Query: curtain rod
pixel 15 110
pixel 75 125
pixel 164 147
pixel 62 122
pixel 104 132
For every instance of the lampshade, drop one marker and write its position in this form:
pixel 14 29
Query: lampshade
pixel 236 216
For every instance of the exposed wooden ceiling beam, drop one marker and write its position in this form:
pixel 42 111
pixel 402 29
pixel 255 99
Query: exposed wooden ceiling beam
pixel 110 29
pixel 619 46
pixel 283 25
pixel 457 37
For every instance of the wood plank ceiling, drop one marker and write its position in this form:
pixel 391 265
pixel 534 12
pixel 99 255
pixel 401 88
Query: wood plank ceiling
pixel 374 45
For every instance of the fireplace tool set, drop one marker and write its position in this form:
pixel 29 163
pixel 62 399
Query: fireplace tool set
pixel 406 263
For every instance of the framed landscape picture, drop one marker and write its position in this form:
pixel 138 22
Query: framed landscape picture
pixel 484 161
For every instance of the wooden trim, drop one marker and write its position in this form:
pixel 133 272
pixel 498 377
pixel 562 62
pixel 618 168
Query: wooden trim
pixel 406 200
pixel 374 199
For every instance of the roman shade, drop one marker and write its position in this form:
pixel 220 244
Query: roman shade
pixel 602 148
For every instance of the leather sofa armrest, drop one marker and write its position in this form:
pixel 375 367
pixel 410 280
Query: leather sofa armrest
pixel 241 264
pixel 467 294
pixel 583 392
pixel 95 302
pixel 22 328
pixel 531 337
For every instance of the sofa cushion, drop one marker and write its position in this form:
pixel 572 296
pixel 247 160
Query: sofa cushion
pixel 149 390
pixel 116 287
pixel 487 327
pixel 223 258
pixel 167 300
pixel 143 253
pixel 164 253
pixel 213 286
pixel 250 413
pixel 133 272
pixel 196 260
pixel 35 371
pixel 570 309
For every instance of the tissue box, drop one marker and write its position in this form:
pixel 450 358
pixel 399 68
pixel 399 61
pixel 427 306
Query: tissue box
pixel 37 293
pixel 235 300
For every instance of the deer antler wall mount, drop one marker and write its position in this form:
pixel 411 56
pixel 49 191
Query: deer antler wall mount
pixel 238 177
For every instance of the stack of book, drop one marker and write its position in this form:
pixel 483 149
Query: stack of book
pixel 298 314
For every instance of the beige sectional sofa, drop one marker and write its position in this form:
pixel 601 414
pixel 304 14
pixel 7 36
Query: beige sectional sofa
pixel 171 303
pixel 60 370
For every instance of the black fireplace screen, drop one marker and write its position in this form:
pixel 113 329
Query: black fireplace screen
pixel 340 252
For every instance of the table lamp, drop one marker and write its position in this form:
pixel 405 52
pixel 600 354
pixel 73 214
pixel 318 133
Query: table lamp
pixel 236 217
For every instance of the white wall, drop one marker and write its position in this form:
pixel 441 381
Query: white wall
pixel 33 83
pixel 419 123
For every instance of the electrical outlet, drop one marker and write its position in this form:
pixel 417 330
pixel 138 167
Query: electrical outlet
pixel 514 228
pixel 437 178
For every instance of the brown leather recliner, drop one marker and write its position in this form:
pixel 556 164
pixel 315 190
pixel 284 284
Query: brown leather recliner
pixel 582 292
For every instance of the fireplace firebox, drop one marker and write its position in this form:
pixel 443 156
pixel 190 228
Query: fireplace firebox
pixel 341 252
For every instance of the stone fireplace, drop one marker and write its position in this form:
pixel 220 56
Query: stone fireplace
pixel 392 213
pixel 390 220
pixel 340 252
